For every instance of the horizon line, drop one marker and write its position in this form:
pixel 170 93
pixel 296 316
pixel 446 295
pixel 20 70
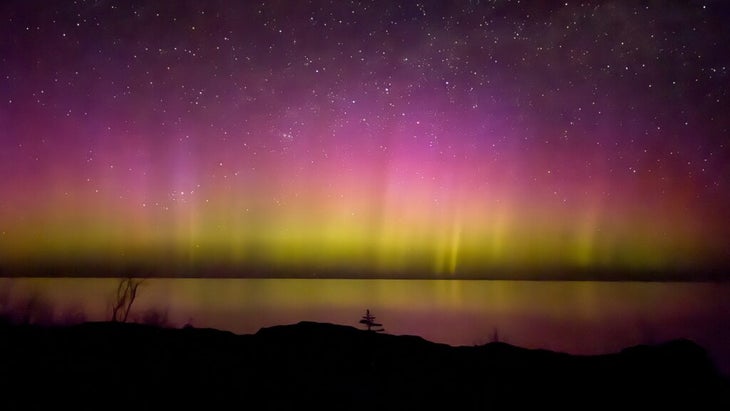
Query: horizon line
pixel 715 278
pixel 708 272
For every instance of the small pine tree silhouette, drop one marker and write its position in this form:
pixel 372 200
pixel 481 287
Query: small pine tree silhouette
pixel 369 321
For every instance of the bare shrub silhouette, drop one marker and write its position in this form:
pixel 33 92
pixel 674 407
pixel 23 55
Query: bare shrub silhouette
pixel 495 335
pixel 28 309
pixel 124 298
pixel 5 311
pixel 34 309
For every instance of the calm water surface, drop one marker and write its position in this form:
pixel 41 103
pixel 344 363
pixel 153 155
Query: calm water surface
pixel 576 317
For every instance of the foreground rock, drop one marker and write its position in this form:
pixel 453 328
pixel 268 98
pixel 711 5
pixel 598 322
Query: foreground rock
pixel 111 365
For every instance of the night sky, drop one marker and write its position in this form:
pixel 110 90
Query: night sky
pixel 474 139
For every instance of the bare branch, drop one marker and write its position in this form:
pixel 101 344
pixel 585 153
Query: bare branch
pixel 126 295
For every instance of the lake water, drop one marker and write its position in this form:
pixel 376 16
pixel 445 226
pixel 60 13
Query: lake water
pixel 575 317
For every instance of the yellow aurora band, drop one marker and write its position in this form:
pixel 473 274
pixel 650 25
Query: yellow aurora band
pixel 346 231
pixel 506 140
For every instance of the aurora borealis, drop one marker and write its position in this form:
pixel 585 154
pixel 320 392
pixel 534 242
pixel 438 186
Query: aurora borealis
pixel 474 139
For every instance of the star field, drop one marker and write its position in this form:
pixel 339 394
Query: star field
pixel 477 139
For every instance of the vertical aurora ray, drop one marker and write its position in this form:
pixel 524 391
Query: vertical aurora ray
pixel 202 139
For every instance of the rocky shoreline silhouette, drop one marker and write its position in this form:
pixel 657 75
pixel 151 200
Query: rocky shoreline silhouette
pixel 118 365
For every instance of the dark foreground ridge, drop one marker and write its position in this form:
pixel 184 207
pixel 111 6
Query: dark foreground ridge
pixel 115 366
